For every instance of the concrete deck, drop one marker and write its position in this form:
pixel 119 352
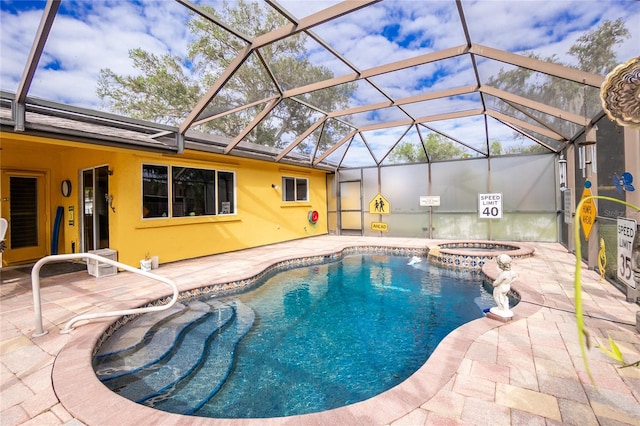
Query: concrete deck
pixel 527 371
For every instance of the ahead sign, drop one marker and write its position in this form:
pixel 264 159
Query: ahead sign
pixel 626 233
pixel 380 226
pixel 490 206
pixel 587 213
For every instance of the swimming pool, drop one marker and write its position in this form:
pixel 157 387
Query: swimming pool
pixel 309 339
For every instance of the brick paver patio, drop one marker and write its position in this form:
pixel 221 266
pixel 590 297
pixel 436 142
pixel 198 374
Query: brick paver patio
pixel 527 371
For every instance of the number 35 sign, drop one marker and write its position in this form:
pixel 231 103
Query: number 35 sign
pixel 626 234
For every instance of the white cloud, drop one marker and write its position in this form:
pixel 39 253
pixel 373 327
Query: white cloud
pixel 90 35
pixel 94 36
pixel 545 28
pixel 73 87
pixel 303 8
pixel 16 37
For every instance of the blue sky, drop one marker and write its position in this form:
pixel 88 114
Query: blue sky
pixel 88 35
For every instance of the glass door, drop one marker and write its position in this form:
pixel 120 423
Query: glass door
pixel 95 208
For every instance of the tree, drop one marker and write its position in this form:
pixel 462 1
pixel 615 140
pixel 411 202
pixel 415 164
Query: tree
pixel 522 148
pixel 593 52
pixel 169 86
pixel 163 92
pixel 495 148
pixel 406 152
pixel 437 146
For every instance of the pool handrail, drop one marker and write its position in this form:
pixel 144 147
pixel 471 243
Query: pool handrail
pixel 35 284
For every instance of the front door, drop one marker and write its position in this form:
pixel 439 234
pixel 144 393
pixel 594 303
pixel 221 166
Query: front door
pixel 95 208
pixel 24 208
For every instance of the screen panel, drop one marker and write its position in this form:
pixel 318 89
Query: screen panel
pixel 458 183
pixel 527 183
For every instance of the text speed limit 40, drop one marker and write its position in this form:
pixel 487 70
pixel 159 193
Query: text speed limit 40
pixel 490 206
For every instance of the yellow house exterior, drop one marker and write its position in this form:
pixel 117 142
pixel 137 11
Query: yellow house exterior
pixel 261 216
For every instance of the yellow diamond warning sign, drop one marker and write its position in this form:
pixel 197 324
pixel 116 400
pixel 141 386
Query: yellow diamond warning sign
pixel 379 205
pixel 587 213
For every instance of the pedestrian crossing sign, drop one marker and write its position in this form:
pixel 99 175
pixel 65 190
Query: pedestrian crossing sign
pixel 379 205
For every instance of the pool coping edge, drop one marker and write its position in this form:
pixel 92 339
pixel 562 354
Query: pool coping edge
pixel 80 391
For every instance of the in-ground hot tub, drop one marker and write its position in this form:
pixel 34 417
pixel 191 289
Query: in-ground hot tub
pixel 474 254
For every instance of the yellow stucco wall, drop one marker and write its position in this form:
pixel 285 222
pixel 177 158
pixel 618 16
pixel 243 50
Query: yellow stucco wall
pixel 262 217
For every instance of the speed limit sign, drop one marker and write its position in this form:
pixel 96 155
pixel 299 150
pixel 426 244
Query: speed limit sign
pixel 490 206
pixel 626 233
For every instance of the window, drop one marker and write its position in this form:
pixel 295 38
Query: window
pixel 295 189
pixel 194 192
pixel 226 193
pixel 155 191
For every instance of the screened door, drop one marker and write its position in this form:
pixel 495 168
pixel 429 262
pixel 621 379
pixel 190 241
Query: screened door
pixel 23 206
pixel 351 208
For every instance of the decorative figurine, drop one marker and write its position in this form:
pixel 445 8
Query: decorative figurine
pixel 501 287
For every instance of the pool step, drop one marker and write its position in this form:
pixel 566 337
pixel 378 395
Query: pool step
pixel 193 392
pixel 130 336
pixel 147 341
pixel 161 376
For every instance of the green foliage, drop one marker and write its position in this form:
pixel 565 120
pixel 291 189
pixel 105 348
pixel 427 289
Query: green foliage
pixel 167 88
pixel 593 52
pixel 437 147
pixel 440 148
pixel 495 148
pixel 163 92
pixel 523 148
pixel 614 352
pixel 583 333
pixel 406 152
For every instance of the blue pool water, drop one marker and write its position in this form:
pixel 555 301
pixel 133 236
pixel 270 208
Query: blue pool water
pixel 309 339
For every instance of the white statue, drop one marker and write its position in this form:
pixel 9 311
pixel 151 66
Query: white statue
pixel 502 285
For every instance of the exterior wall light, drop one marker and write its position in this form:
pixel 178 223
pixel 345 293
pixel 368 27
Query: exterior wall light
pixel 109 199
pixel 276 187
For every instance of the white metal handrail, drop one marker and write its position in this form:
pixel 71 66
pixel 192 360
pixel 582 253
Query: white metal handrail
pixel 35 284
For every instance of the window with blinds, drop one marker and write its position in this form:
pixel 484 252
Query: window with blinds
pixel 24 211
